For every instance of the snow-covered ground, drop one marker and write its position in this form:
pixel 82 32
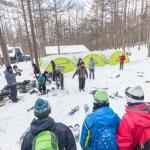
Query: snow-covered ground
pixel 14 118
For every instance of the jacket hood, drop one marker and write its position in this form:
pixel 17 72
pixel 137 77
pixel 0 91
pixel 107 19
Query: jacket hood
pixel 105 116
pixel 140 114
pixel 40 125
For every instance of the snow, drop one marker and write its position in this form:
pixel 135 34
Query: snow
pixel 68 49
pixel 14 118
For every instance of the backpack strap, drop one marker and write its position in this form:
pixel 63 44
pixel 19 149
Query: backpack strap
pixel 88 123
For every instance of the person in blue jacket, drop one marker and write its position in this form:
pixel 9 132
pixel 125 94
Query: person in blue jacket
pixel 42 82
pixel 99 128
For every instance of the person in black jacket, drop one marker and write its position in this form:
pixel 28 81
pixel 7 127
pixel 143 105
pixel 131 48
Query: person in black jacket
pixel 36 70
pixel 44 122
pixel 53 69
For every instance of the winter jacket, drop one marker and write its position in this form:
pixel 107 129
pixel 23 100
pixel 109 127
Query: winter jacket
pixel 122 59
pixel 131 127
pixel 64 135
pixel 36 70
pixel 53 67
pixel 42 80
pixel 10 78
pixel 102 117
pixel 92 65
pixel 81 72
pixel 79 63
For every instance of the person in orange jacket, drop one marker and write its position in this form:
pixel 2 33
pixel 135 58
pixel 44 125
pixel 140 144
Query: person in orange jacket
pixel 122 59
pixel 134 129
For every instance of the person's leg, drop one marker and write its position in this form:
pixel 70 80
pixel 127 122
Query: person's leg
pixel 62 83
pixel 80 84
pixel 83 83
pixel 120 65
pixel 90 73
pixel 44 88
pixel 93 74
pixel 13 93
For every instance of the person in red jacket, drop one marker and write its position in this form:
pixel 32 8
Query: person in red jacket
pixel 134 129
pixel 122 59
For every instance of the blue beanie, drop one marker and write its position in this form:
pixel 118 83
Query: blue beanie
pixel 41 108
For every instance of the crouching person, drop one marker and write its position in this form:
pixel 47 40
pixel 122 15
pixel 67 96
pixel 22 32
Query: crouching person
pixel 45 133
pixel 134 129
pixel 42 83
pixel 100 127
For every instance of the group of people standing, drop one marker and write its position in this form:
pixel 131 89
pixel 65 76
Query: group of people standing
pixel 101 130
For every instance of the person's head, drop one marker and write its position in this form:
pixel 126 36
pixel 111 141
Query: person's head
pixel 33 65
pixel 82 64
pixel 42 109
pixel 52 62
pixel 45 73
pixel 101 99
pixel 9 68
pixel 91 58
pixel 134 95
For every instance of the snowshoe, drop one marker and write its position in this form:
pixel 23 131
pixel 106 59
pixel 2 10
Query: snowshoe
pixel 76 132
pixel 74 110
pixel 86 108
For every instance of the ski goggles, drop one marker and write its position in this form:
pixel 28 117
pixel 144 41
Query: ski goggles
pixel 132 96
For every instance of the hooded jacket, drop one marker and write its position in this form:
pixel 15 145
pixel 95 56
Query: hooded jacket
pixel 10 78
pixel 102 117
pixel 92 65
pixel 64 135
pixel 131 129
pixel 122 59
pixel 81 72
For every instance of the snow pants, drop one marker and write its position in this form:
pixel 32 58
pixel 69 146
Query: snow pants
pixel 13 90
pixel 42 88
pixel 92 73
pixel 121 65
pixel 81 83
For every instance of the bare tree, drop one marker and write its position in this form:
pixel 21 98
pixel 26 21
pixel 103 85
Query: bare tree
pixel 33 32
pixel 4 49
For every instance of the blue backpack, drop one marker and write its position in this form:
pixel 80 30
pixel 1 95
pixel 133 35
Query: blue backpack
pixel 104 139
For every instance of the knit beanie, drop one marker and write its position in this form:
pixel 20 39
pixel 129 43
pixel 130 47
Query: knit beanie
pixel 41 108
pixel 134 94
pixel 101 97
pixel 8 67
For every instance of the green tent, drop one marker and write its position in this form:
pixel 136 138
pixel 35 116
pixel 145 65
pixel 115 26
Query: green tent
pixel 67 62
pixel 114 58
pixel 99 59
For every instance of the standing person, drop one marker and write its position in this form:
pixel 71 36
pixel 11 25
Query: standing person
pixel 79 62
pixel 36 70
pixel 122 59
pixel 59 78
pixel 11 82
pixel 134 129
pixel 53 69
pixel 42 82
pixel 92 67
pixel 100 127
pixel 44 131
pixel 82 73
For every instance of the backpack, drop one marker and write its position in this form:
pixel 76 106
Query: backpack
pixel 45 140
pixel 146 136
pixel 105 139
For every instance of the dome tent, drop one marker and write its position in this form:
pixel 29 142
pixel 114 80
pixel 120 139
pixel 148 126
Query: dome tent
pixel 99 59
pixel 60 60
pixel 114 58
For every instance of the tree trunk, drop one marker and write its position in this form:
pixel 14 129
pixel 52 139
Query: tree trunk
pixel 33 33
pixel 4 49
pixel 27 32
pixel 57 29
